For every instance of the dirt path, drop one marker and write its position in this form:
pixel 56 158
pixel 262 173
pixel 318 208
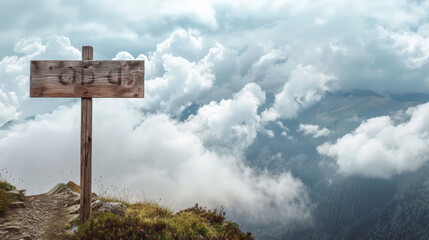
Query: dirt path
pixel 43 217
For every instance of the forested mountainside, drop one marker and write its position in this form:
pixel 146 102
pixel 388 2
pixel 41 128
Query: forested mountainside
pixel 370 209
pixel 346 207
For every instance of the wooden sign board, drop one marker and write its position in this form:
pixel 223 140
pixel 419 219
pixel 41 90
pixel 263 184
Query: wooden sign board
pixel 88 79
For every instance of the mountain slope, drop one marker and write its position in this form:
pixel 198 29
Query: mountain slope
pixel 341 206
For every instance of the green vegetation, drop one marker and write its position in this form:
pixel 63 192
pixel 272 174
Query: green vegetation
pixel 150 221
pixel 359 209
pixel 4 185
pixel 4 200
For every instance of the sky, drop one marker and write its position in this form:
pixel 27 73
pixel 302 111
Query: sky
pixel 218 75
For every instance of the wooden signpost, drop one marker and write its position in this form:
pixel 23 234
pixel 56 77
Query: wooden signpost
pixel 87 79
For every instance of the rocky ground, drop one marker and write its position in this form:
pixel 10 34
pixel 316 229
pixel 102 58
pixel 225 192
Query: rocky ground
pixel 44 216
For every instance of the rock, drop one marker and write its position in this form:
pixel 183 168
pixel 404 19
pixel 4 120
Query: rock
pixel 12 228
pixel 73 198
pixel 96 204
pixel 73 201
pixel 70 225
pixel 17 204
pixel 113 207
pixel 73 209
pixel 73 186
pixel 76 188
pixel 25 237
pixel 71 218
pixel 59 188
pixel 76 200
pixel 15 195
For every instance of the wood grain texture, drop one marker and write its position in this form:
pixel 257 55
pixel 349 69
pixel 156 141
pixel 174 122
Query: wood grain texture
pixel 86 150
pixel 86 159
pixel 87 53
pixel 87 78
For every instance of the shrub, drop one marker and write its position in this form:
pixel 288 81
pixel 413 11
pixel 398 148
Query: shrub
pixel 109 226
pixel 6 186
pixel 151 221
pixel 212 216
pixel 227 229
pixel 4 200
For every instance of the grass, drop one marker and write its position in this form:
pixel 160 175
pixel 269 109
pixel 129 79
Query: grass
pixel 147 220
pixel 4 200
pixel 4 185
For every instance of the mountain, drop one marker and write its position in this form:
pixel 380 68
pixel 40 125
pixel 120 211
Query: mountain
pixel 344 207
pixel 55 215
pixel 371 209
pixel 9 124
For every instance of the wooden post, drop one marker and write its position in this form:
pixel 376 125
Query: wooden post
pixel 86 148
pixel 86 79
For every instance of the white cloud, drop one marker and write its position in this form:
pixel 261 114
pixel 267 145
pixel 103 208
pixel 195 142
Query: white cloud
pixel 271 69
pixel 14 74
pixel 337 48
pixel 305 87
pixel 380 148
pixel 187 44
pixel 97 30
pixel 123 55
pixel 222 56
pixel 314 130
pixel 224 64
pixel 423 30
pixel 56 48
pixel 183 69
pixel 319 21
pixel 182 43
pixel 30 46
pixel 137 11
pixel 231 124
pixel 243 27
pixel 7 113
pixel 412 47
pixel 183 81
pixel 395 12
pixel 43 159
pixel 162 157
pixel 59 48
pixel 206 147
